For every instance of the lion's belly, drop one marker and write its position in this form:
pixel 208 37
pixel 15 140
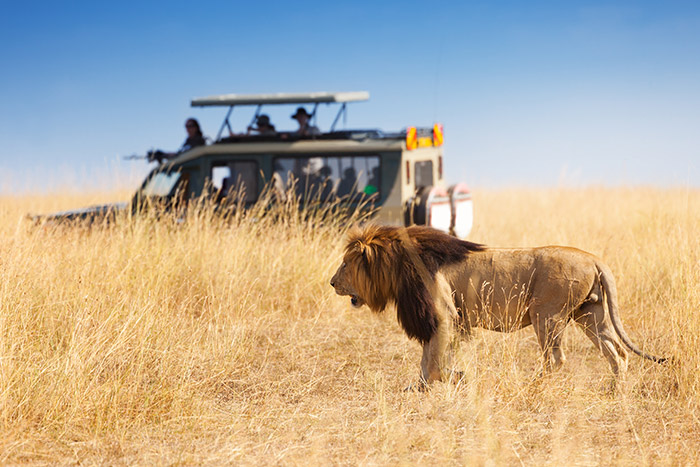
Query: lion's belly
pixel 493 291
pixel 495 303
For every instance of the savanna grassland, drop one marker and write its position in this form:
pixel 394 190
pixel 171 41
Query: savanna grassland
pixel 209 342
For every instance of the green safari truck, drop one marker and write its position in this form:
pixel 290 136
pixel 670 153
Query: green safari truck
pixel 399 174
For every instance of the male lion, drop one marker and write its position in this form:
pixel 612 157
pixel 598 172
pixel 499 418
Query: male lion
pixel 436 281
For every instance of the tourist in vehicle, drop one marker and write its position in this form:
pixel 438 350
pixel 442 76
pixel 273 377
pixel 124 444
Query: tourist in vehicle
pixel 194 135
pixel 372 186
pixel 305 126
pixel 348 184
pixel 194 138
pixel 262 126
pixel 325 183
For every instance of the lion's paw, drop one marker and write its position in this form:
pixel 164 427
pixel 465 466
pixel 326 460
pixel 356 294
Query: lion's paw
pixel 420 386
pixel 456 376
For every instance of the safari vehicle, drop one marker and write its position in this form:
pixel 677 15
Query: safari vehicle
pixel 398 175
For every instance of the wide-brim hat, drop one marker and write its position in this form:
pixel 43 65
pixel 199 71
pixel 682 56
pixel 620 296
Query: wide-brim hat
pixel 301 111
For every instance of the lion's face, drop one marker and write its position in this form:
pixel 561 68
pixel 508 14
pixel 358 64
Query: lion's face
pixel 342 283
pixel 366 274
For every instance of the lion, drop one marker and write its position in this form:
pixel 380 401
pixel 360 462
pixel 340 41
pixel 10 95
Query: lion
pixel 440 284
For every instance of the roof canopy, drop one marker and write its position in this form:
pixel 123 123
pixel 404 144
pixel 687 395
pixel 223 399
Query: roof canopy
pixel 280 98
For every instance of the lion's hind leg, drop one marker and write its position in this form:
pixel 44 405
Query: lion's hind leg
pixel 591 318
pixel 549 328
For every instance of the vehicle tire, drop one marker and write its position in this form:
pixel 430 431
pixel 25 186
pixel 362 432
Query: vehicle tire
pixel 429 206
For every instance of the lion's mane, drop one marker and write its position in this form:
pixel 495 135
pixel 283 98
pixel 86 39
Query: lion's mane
pixel 393 266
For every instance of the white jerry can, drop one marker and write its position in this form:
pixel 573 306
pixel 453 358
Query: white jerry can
pixel 462 210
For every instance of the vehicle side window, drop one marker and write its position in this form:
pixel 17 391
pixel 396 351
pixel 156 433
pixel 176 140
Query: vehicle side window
pixel 238 178
pixel 330 177
pixel 424 173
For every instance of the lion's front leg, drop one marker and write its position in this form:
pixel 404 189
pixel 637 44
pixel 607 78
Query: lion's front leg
pixel 436 359
pixel 437 351
pixel 430 369
pixel 432 362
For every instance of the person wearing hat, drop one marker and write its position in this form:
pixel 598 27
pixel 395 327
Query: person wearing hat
pixel 263 126
pixel 305 127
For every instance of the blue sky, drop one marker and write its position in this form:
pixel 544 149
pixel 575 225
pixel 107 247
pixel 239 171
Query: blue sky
pixel 530 93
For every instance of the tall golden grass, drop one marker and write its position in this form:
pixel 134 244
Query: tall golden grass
pixel 210 342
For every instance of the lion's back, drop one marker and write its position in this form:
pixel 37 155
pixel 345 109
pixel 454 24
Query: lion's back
pixel 565 260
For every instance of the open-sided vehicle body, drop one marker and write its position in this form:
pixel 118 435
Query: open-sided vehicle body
pixel 399 175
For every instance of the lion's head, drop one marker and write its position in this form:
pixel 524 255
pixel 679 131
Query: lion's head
pixel 385 265
pixel 365 273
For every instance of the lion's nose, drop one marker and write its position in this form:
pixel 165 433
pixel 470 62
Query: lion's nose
pixel 332 283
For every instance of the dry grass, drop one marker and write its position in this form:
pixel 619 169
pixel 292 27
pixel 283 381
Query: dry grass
pixel 208 343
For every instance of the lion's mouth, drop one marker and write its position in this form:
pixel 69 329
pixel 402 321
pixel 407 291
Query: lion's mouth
pixel 355 301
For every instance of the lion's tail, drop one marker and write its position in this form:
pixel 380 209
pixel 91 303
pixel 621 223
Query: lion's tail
pixel 606 279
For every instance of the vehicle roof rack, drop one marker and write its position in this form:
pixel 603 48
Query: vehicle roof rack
pixel 316 98
pixel 280 98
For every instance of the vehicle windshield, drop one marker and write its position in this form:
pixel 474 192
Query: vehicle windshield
pixel 161 184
